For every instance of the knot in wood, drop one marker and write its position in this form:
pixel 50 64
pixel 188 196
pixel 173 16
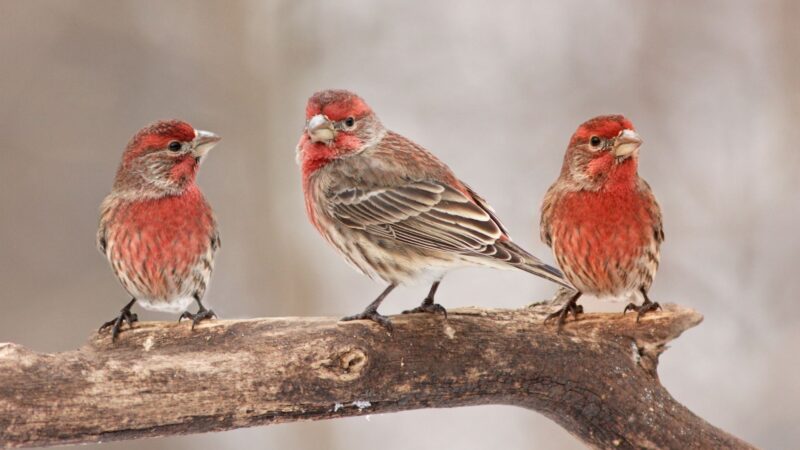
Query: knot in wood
pixel 345 365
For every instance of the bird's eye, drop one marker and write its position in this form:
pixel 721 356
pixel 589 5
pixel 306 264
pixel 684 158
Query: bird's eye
pixel 174 146
pixel 595 141
pixel 349 122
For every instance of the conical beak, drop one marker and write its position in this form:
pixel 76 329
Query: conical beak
pixel 320 129
pixel 204 141
pixel 626 143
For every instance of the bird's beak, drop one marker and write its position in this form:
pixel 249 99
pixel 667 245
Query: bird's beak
pixel 320 129
pixel 203 142
pixel 626 143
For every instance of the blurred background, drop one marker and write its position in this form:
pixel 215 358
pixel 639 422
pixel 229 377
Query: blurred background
pixel 495 89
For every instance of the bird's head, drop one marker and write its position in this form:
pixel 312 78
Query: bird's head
pixel 603 148
pixel 163 157
pixel 338 123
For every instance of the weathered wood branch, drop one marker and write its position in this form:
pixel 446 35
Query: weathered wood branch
pixel 597 378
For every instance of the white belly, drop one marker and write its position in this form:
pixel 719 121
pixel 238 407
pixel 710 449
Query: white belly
pixel 175 305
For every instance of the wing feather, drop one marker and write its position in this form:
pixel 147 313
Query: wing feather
pixel 421 213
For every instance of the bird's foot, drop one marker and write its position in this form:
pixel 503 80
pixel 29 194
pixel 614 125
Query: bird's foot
pixel 562 294
pixel 125 316
pixel 373 315
pixel 645 308
pixel 562 314
pixel 201 315
pixel 428 306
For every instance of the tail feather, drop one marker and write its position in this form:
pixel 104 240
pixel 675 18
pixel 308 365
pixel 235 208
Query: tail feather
pixel 531 264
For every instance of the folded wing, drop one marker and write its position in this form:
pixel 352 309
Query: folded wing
pixel 426 214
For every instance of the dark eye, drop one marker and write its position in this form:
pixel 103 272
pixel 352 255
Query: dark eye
pixel 595 141
pixel 174 146
pixel 349 122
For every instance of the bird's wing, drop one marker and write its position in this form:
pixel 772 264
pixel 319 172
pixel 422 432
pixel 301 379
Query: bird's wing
pixel 427 214
pixel 486 207
pixel 432 215
pixel 654 209
pixel 216 242
pixel 545 223
pixel 101 239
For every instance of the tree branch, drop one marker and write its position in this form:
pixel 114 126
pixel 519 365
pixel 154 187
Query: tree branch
pixel 597 378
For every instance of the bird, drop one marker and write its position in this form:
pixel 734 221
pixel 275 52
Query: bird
pixel 601 219
pixel 156 229
pixel 392 209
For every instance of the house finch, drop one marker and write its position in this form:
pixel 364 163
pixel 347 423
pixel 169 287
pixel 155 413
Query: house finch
pixel 156 228
pixel 391 208
pixel 601 219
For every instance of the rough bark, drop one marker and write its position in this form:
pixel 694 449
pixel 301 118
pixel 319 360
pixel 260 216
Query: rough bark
pixel 597 378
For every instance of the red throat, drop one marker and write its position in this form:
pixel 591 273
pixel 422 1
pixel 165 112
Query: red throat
pixel 620 176
pixel 315 155
pixel 184 171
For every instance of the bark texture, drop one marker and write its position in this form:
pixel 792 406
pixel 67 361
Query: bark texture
pixel 596 378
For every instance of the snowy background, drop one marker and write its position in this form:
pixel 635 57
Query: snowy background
pixel 493 88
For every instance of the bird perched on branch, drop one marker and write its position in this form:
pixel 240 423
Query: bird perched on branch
pixel 601 218
pixel 156 228
pixel 391 208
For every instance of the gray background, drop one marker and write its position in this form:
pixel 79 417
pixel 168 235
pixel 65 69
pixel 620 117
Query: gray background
pixel 495 89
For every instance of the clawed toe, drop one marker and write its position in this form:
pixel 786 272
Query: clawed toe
pixel 125 316
pixel 431 308
pixel 373 316
pixel 562 314
pixel 203 314
pixel 645 308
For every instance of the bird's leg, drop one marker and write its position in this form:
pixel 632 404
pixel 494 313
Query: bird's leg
pixel 201 314
pixel 125 315
pixel 646 307
pixel 371 311
pixel 428 306
pixel 571 306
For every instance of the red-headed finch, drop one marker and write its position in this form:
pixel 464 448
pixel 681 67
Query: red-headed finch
pixel 601 218
pixel 391 208
pixel 156 228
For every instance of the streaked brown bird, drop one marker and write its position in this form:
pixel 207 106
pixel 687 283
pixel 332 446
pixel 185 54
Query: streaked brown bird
pixel 391 208
pixel 601 218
